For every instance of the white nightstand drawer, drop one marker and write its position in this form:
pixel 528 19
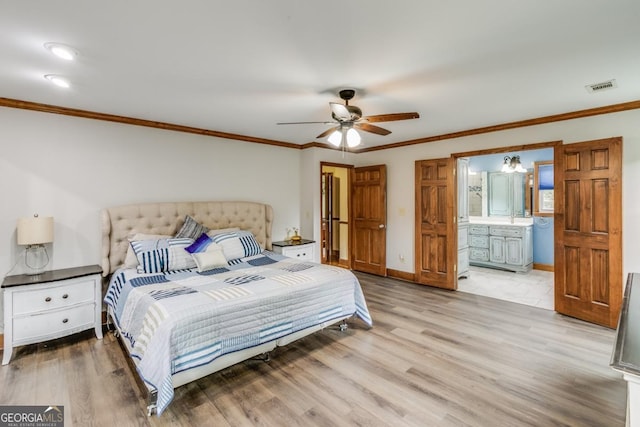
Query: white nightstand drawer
pixel 304 252
pixel 53 297
pixel 53 324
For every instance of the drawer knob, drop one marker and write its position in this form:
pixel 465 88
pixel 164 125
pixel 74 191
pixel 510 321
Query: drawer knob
pixel 65 320
pixel 47 299
pixel 65 296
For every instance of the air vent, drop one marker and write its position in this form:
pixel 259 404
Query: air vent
pixel 599 87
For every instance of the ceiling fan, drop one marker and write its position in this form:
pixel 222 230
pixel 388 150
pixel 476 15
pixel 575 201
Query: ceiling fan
pixel 349 118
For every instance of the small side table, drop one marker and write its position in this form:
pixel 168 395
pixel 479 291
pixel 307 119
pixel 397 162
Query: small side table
pixel 300 249
pixel 51 305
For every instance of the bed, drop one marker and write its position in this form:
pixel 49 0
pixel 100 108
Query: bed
pixel 202 290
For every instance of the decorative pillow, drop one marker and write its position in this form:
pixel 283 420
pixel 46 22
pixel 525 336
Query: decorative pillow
pixel 191 229
pixel 200 245
pixel 157 256
pixel 130 260
pixel 215 232
pixel 237 244
pixel 212 257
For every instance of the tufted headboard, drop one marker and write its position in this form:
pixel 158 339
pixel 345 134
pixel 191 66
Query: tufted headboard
pixel 121 222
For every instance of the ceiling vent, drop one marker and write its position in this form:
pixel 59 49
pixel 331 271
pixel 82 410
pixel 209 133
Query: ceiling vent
pixel 599 87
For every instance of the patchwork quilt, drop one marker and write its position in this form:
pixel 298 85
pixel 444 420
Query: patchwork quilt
pixel 178 320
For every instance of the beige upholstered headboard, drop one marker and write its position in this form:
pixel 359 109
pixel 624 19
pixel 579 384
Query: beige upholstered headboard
pixel 121 222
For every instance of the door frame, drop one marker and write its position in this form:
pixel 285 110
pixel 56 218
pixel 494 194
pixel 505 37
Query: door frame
pixel 499 150
pixel 349 168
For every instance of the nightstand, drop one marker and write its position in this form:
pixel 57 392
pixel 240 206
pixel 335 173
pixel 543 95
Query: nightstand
pixel 301 249
pixel 51 305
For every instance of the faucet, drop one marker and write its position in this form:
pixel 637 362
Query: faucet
pixel 512 218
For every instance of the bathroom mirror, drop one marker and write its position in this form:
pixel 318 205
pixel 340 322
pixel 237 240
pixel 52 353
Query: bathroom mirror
pixel 500 194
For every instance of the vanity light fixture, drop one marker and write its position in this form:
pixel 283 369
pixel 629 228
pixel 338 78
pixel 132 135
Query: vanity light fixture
pixel 512 164
pixel 61 50
pixel 57 80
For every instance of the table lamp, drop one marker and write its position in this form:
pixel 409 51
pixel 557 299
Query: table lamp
pixel 34 233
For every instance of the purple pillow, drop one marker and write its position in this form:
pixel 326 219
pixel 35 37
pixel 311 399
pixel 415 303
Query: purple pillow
pixel 200 244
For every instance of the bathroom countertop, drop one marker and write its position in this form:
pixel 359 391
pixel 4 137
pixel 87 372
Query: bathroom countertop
pixel 522 222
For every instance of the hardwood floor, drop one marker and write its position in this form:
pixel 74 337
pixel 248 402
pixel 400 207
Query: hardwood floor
pixel 433 358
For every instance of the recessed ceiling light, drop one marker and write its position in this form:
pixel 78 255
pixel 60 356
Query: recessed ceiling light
pixel 57 80
pixel 61 50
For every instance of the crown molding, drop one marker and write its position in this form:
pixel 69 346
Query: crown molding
pixel 46 108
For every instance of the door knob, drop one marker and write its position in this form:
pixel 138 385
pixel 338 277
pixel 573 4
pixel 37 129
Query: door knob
pixel 381 226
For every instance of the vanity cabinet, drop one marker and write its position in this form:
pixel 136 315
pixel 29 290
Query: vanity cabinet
pixel 508 247
pixel 463 217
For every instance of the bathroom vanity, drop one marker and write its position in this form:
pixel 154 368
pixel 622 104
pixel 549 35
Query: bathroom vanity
pixel 501 244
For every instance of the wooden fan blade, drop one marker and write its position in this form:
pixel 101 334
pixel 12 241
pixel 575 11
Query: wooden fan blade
pixel 373 129
pixel 340 112
pixel 327 132
pixel 391 117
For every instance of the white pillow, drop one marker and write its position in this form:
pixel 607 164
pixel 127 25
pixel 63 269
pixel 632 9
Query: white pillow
pixel 212 258
pixel 212 233
pixel 162 255
pixel 131 260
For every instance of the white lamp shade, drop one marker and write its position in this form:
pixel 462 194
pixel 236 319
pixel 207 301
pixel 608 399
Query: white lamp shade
pixel 35 231
pixel 336 138
pixel 353 138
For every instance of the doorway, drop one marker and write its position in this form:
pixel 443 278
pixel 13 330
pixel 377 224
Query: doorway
pixel 334 227
pixel 497 197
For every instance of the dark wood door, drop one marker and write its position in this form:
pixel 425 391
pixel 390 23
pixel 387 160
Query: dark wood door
pixel 588 230
pixel 369 204
pixel 436 238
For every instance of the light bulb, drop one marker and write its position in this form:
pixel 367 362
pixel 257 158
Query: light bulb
pixel 505 166
pixel 335 138
pixel 353 138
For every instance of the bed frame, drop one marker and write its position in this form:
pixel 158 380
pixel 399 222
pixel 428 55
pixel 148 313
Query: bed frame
pixel 121 222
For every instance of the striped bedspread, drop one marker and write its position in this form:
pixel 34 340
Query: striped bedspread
pixel 178 320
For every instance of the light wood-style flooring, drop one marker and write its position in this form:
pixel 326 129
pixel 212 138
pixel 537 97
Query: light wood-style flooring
pixel 433 358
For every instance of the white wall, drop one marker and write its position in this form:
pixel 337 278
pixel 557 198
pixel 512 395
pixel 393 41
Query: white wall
pixel 400 175
pixel 71 168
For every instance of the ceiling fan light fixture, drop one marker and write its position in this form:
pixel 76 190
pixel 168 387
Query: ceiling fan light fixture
pixel 353 138
pixel 335 138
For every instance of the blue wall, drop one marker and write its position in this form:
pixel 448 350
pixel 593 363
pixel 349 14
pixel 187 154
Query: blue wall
pixel 542 226
pixel 543 240
pixel 493 162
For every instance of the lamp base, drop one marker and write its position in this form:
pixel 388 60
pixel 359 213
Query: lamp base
pixel 36 259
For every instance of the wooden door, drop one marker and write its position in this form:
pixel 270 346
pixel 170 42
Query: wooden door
pixel 369 204
pixel 588 230
pixel 436 243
